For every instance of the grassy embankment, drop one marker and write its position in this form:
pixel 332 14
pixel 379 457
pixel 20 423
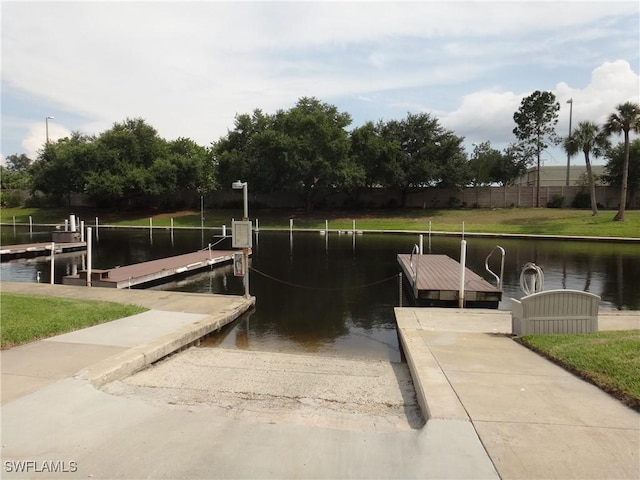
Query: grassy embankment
pixel 610 360
pixel 26 318
pixel 526 221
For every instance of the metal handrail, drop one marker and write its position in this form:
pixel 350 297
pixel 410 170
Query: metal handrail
pixel 486 265
pixel 415 250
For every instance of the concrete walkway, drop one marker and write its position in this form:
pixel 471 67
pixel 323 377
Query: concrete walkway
pixel 113 350
pixel 534 419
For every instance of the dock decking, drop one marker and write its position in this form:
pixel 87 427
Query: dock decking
pixel 152 271
pixel 38 249
pixel 437 282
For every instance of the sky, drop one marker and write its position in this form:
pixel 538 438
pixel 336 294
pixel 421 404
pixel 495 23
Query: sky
pixel 189 67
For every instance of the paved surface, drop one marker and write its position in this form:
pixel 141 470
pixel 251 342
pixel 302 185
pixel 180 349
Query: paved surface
pixel 535 419
pixel 494 408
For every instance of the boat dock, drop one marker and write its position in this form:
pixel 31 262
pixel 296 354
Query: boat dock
pixel 39 249
pixel 434 281
pixel 153 271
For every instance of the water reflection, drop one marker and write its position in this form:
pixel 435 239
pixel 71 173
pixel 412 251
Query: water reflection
pixel 334 293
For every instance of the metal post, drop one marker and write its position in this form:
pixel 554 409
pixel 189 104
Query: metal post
pixel 463 261
pixel 89 241
pixel 53 268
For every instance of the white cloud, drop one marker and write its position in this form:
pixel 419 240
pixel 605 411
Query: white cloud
pixel 189 67
pixel 488 115
pixel 36 136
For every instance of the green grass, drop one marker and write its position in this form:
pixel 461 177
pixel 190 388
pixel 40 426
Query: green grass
pixel 526 221
pixel 26 318
pixel 610 359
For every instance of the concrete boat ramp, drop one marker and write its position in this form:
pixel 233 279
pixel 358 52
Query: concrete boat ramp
pixel 493 408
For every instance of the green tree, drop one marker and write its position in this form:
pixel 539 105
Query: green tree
pixel 367 147
pixel 508 167
pixel 62 167
pixel 535 127
pixel 317 148
pixel 615 164
pixel 625 119
pixel 417 152
pixel 589 139
pixel 17 172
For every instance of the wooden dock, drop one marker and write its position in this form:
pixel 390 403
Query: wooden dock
pixel 434 281
pixel 154 271
pixel 38 249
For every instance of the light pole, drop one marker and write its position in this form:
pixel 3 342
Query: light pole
pixel 570 102
pixel 239 185
pixel 47 123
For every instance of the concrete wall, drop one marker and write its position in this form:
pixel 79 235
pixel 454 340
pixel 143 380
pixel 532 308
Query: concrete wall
pixel 481 197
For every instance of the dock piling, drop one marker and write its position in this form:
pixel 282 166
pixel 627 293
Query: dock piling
pixel 463 261
pixel 53 269
pixel 89 241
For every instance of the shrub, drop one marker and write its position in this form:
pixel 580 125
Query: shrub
pixel 556 201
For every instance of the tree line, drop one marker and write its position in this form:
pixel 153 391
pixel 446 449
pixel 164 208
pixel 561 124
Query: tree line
pixel 309 151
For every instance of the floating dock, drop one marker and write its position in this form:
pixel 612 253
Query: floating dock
pixel 39 249
pixel 434 281
pixel 153 271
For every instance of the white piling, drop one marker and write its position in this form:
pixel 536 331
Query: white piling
pixel 89 256
pixel 30 225
pixel 463 261
pixel 421 244
pixel 150 223
pixel 354 227
pixel 463 230
pixel 53 266
pixel 291 225
pixel 257 226
pixel 224 230
pixel 172 226
pixel 326 226
pixel 72 222
pixel 66 225
pixel 82 230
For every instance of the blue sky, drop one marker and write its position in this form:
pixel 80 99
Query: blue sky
pixel 188 68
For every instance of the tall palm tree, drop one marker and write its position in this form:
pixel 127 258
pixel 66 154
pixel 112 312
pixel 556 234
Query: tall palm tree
pixel 625 119
pixel 589 138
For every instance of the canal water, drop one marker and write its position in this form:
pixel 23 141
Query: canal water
pixel 334 294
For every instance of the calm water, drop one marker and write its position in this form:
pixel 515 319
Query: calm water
pixel 335 294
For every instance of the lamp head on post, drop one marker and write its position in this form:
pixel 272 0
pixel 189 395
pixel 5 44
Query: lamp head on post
pixel 238 185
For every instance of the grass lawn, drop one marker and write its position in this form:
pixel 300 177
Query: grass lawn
pixel 608 359
pixel 26 318
pixel 531 221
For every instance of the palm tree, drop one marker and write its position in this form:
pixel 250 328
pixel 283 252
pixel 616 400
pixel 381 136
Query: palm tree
pixel 591 140
pixel 625 119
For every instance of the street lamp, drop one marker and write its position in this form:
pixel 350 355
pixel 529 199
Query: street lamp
pixel 570 102
pixel 47 123
pixel 246 241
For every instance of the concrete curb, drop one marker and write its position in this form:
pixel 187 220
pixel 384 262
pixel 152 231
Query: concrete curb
pixel 441 402
pixel 133 360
